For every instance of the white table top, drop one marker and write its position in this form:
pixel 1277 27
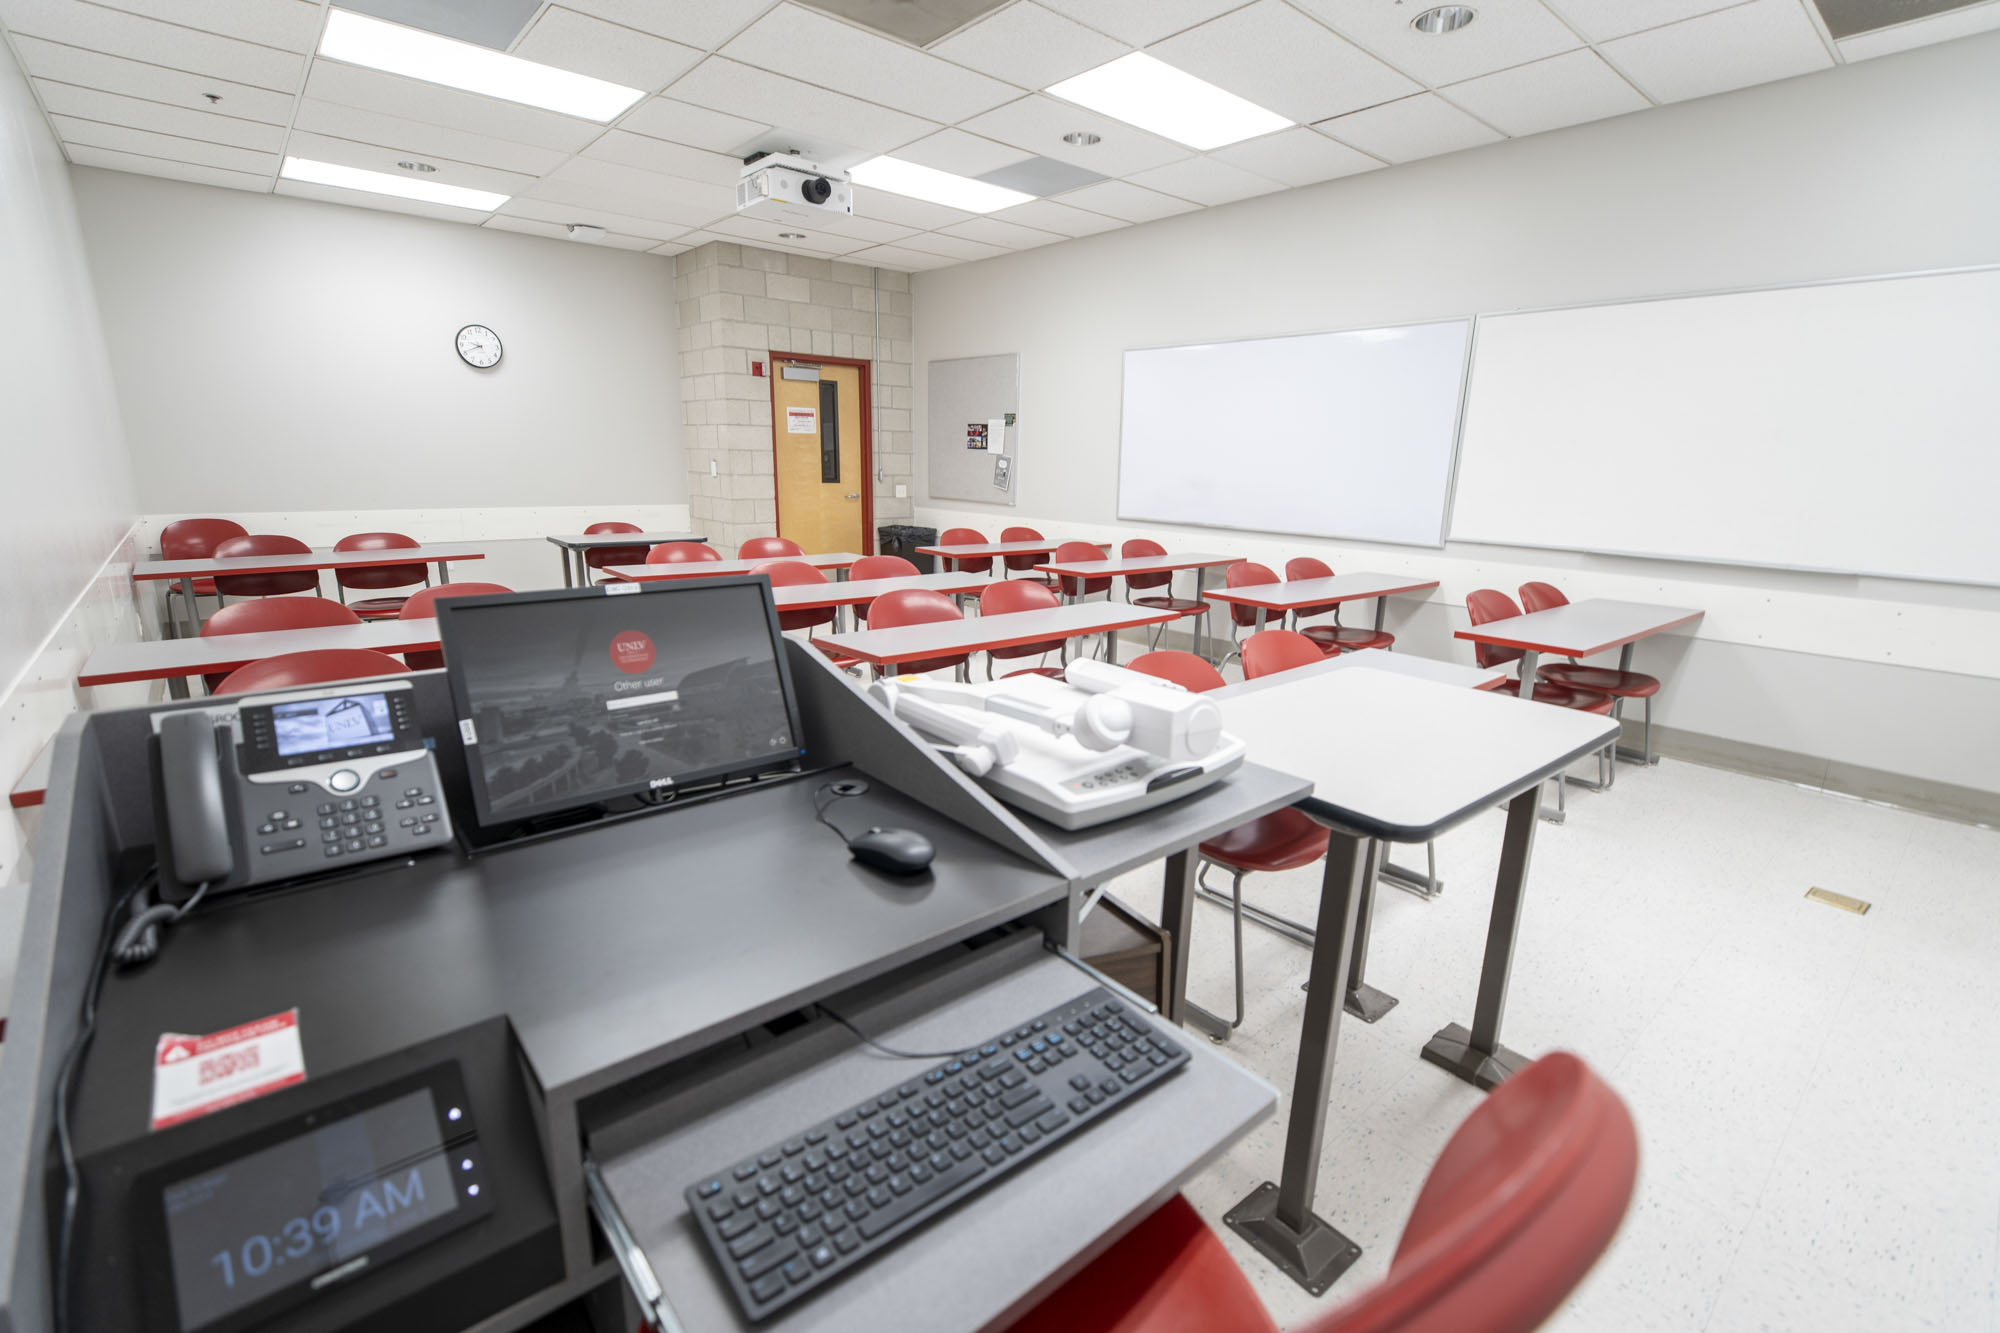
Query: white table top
pixel 708 569
pixel 1323 592
pixel 163 659
pixel 208 566
pixel 582 539
pixel 853 591
pixel 944 638
pixel 998 548
pixel 1375 659
pixel 1581 628
pixel 1138 564
pixel 1400 758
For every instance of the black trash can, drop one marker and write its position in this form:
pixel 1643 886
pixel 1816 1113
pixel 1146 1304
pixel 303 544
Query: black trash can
pixel 903 539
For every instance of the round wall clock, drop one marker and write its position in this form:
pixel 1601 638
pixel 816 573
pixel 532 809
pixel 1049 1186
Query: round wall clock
pixel 479 346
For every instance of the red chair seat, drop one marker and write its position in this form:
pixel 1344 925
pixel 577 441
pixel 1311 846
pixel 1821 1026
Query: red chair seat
pixel 1560 696
pixel 1282 840
pixel 378 608
pixel 1604 680
pixel 1348 639
pixel 1185 606
pixel 1054 673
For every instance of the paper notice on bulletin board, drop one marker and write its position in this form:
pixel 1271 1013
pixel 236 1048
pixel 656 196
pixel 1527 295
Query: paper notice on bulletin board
pixel 975 435
pixel 801 421
pixel 996 435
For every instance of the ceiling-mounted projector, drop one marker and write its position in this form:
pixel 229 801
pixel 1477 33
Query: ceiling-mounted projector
pixel 782 187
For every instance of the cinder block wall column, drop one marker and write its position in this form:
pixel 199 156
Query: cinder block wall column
pixel 737 304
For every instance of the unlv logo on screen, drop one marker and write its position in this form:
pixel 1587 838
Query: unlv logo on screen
pixel 631 652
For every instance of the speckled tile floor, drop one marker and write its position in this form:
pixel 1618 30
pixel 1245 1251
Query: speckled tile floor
pixel 1817 1094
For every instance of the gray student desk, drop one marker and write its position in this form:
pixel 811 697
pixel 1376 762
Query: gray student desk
pixel 833 562
pixel 572 546
pixel 1292 594
pixel 1392 758
pixel 977 634
pixel 208 566
pixel 177 660
pixel 1199 562
pixel 846 593
pixel 954 556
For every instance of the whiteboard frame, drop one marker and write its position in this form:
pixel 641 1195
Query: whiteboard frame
pixel 1451 463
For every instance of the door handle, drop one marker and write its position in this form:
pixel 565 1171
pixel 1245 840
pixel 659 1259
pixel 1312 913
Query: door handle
pixel 852 495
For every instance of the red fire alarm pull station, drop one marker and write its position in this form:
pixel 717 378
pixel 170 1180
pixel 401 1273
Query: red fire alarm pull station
pixel 757 369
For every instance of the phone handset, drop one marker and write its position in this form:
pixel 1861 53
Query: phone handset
pixel 197 812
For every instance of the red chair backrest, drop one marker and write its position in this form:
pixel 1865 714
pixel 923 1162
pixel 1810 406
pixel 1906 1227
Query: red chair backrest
pixel 1074 552
pixel 313 668
pixel 263 585
pixel 1011 595
pixel 967 537
pixel 1018 534
pixel 1247 574
pixel 1141 546
pixel 1519 1205
pixel 597 557
pixel 916 606
pixel 1277 650
pixel 1310 567
pixel 789 574
pixel 1186 670
pixel 1542 596
pixel 269 613
pixel 193 538
pixel 678 553
pixel 1490 604
pixel 768 548
pixel 422 603
pixel 384 576
pixel 881 567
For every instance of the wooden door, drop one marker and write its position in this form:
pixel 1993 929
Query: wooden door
pixel 818 424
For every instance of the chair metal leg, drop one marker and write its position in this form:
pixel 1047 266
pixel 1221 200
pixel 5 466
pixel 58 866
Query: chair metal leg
pixel 1213 1024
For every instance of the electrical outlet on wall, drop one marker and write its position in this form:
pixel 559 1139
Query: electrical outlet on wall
pixel 902 491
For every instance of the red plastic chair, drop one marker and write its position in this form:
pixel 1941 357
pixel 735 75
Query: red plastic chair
pixel 1488 604
pixel 1184 607
pixel 1190 671
pixel 792 574
pixel 195 539
pixel 263 585
pixel 1076 552
pixel 878 567
pixel 1335 638
pixel 967 537
pixel 1244 574
pixel 679 553
pixel 422 604
pixel 1018 563
pixel 384 576
pixel 273 613
pixel 768 548
pixel 597 557
pixel 1517 1208
pixel 1276 650
pixel 1620 685
pixel 1011 595
pixel 315 668
pixel 917 606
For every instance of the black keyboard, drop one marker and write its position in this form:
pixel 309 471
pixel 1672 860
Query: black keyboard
pixel 797 1216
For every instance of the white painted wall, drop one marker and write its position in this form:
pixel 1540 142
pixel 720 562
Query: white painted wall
pixel 1881 167
pixel 276 353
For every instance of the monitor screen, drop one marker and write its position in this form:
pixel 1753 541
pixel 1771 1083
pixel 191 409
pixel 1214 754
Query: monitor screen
pixel 570 699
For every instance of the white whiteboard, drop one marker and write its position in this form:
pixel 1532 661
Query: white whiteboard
pixel 1852 427
pixel 1325 434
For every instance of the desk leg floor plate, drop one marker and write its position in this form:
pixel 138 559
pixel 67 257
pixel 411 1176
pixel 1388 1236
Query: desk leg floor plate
pixel 1452 1049
pixel 1368 1004
pixel 1314 1258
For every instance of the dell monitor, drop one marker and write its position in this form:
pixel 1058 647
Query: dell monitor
pixel 572 700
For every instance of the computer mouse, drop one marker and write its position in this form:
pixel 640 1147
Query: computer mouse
pixel 895 851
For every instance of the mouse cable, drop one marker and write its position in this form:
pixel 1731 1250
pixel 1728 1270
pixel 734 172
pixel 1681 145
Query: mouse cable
pixel 843 1020
pixel 829 792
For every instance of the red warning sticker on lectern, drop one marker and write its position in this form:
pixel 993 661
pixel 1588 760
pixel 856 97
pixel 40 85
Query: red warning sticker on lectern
pixel 193 1076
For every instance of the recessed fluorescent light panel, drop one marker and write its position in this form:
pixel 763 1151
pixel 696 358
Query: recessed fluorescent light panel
pixel 395 49
pixel 934 186
pixel 1153 95
pixel 381 182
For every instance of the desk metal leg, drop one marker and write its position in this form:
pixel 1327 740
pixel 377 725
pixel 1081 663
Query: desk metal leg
pixel 193 611
pixel 1381 612
pixel 1426 885
pixel 1363 1000
pixel 568 580
pixel 1477 1056
pixel 444 571
pixel 1529 658
pixel 1177 918
pixel 1645 756
pixel 1278 1218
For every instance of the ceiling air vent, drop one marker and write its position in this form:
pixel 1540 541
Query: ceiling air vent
pixel 1845 18
pixel 918 22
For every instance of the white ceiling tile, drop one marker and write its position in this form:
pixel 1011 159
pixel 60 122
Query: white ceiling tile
pixel 425 141
pixel 965 154
pixel 670 248
pixel 630 190
pixel 1285 62
pixel 1120 199
pixel 743 90
pixel 1048 215
pixel 1420 126
pixel 896 257
pixel 875 231
pixel 1029 45
pixel 993 231
pixel 824 51
pixel 1142 21
pixel 696 126
pixel 430 104
pixel 63 99
pixel 146 143
pixel 1039 123
pixel 1297 156
pixel 577 42
pixel 1922 32
pixel 1753 43
pixel 903 211
pixel 1205 180
pixel 380 203
pixel 373 157
pixel 669 159
pixel 1568 89
pixel 760 232
pixel 951 247
pixel 289 25
pixel 704 23
pixel 563 212
pixel 156 166
pixel 555 232
pixel 154 83
pixel 1601 20
pixel 135 37
pixel 1505 33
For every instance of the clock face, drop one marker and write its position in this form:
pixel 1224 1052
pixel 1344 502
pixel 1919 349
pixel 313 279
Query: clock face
pixel 479 346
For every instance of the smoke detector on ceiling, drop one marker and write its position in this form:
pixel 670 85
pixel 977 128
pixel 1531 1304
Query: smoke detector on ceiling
pixel 586 232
